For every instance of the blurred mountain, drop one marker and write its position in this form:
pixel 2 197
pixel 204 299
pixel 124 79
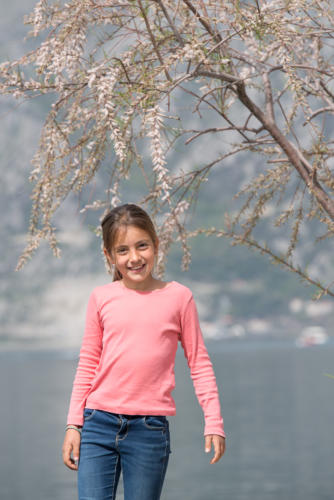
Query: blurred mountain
pixel 47 299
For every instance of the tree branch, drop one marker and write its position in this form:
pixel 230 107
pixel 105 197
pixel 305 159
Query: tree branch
pixel 318 112
pixel 269 97
pixel 295 156
pixel 241 240
pixel 215 35
pixel 170 22
pixel 154 43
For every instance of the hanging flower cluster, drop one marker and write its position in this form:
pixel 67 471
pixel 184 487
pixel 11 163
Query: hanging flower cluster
pixel 154 124
pixel 255 75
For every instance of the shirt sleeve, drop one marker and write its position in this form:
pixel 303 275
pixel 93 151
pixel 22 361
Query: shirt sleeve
pixel 201 369
pixel 89 359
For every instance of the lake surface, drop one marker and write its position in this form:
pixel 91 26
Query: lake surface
pixel 278 409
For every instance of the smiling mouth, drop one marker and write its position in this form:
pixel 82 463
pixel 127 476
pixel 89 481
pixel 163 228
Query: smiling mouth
pixel 137 268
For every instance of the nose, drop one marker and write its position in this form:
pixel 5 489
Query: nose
pixel 134 257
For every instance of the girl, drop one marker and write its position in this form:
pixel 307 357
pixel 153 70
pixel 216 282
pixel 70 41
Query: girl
pixel 125 375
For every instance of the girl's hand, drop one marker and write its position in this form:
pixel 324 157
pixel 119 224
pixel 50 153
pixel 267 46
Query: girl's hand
pixel 71 444
pixel 219 446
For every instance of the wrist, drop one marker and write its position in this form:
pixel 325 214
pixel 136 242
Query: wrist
pixel 75 427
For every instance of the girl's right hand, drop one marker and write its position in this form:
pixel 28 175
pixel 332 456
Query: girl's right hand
pixel 71 445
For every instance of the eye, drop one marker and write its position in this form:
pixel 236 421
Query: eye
pixel 143 245
pixel 121 250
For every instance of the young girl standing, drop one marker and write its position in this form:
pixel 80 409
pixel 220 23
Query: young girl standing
pixel 122 388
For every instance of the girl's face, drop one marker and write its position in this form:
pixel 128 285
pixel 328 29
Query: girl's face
pixel 133 255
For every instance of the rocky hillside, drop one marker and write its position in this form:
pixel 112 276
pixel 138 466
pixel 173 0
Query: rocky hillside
pixel 47 299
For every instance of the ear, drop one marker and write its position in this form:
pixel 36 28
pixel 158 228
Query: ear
pixel 108 255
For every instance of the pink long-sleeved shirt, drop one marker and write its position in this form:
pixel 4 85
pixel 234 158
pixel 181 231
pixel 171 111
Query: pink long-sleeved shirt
pixel 127 356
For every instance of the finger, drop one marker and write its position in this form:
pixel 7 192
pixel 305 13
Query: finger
pixel 223 447
pixel 218 451
pixel 208 441
pixel 67 454
pixel 68 461
pixel 76 453
pixel 216 456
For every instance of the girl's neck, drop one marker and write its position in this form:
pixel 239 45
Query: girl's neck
pixel 153 284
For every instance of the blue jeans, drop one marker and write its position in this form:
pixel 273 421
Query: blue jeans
pixel 137 445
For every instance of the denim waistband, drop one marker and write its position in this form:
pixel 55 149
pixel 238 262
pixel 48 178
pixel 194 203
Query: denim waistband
pixel 134 416
pixel 128 416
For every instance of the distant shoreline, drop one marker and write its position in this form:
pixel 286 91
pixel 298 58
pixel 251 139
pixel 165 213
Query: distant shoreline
pixel 51 350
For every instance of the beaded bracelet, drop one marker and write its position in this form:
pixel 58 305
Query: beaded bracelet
pixel 73 427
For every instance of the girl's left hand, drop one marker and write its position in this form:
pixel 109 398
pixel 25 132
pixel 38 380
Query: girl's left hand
pixel 218 444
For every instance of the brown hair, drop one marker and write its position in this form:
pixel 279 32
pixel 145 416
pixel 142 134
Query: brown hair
pixel 125 215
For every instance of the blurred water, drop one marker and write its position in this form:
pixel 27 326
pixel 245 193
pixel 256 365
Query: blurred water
pixel 278 408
